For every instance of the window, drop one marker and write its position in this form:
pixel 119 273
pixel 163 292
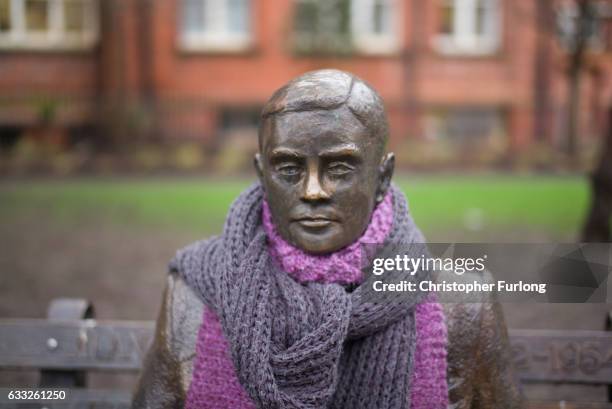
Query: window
pixel 373 23
pixel 48 24
pixel 466 126
pixel 322 26
pixel 469 27
pixel 236 118
pixel 595 22
pixel 216 25
pixel 342 26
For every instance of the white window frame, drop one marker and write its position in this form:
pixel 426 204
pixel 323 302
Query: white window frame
pixel 216 36
pixel 464 40
pixel 55 37
pixel 365 39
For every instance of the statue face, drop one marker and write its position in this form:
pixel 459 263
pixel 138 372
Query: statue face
pixel 323 173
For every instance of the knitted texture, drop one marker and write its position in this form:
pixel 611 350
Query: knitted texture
pixel 214 383
pixel 310 345
pixel 429 386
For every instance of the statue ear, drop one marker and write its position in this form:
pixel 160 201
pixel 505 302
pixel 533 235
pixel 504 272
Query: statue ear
pixel 258 166
pixel 387 166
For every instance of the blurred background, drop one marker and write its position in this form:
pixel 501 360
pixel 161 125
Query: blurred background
pixel 128 126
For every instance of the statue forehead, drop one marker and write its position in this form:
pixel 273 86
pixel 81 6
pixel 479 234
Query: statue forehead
pixel 355 103
pixel 323 89
pixel 324 127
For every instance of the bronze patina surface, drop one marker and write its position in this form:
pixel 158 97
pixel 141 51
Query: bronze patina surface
pixel 324 167
pixel 322 161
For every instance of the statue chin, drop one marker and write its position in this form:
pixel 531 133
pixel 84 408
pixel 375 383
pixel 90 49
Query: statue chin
pixel 318 239
pixel 317 248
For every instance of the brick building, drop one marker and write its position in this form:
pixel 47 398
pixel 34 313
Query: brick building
pixel 197 69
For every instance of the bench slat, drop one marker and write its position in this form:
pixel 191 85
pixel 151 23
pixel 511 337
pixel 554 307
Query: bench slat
pixel 115 399
pixel 562 356
pixel 539 355
pixel 568 405
pixel 83 344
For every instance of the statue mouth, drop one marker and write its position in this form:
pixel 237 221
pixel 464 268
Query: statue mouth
pixel 315 221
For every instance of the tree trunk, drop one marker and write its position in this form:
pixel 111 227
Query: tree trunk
pixel 597 226
pixel 584 23
pixel 573 112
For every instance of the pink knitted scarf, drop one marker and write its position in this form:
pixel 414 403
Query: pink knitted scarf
pixel 215 384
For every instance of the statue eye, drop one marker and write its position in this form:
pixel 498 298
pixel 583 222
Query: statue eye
pixel 339 168
pixel 289 170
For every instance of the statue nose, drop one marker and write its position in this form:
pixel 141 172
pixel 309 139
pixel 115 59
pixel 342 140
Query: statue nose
pixel 313 189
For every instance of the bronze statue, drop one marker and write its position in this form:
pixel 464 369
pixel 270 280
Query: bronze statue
pixel 269 314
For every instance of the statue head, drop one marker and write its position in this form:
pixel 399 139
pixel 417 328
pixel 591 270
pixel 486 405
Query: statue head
pixel 322 160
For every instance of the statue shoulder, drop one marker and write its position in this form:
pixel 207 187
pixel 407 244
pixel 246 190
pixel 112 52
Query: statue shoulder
pixel 183 311
pixel 168 366
pixel 479 358
pixel 464 322
pixel 464 317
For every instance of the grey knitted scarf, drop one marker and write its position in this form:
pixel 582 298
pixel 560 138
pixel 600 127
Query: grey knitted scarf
pixel 304 345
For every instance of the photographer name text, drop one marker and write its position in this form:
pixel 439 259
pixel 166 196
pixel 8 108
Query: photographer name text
pixel 458 266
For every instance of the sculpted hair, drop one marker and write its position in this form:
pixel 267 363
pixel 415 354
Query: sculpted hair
pixel 327 90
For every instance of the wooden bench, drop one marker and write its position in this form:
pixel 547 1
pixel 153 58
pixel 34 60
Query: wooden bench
pixel 70 343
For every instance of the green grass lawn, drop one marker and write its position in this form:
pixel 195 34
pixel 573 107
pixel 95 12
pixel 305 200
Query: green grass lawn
pixel 555 205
